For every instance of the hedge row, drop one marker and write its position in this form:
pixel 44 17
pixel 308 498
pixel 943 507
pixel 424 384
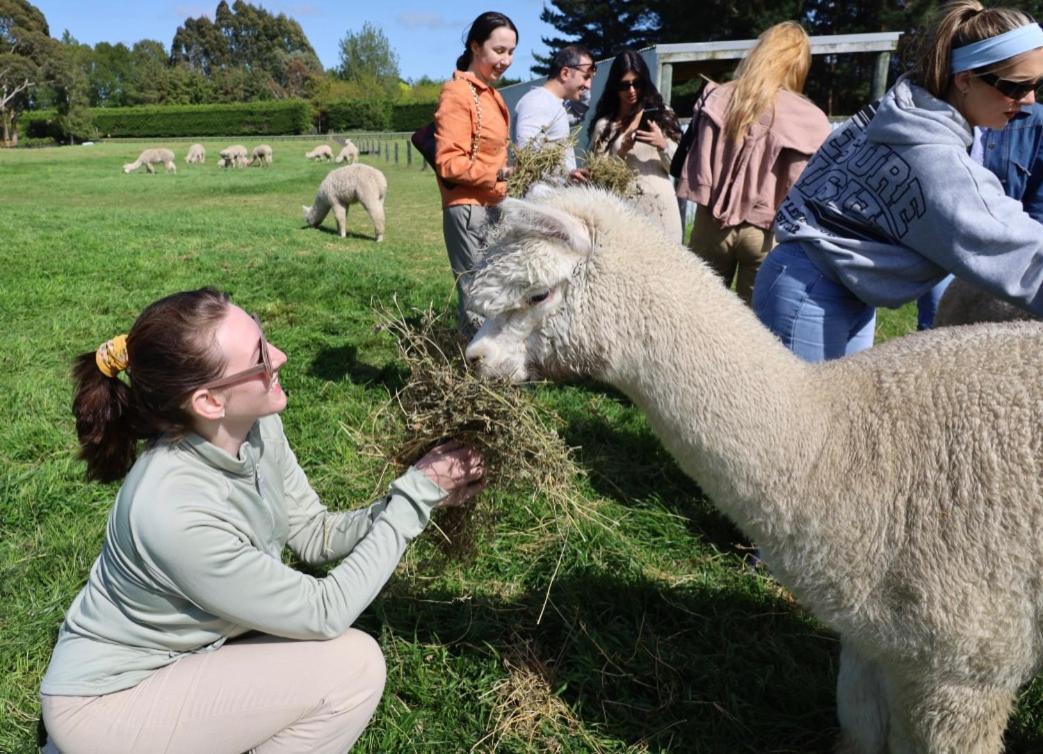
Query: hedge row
pixel 242 118
pixel 239 118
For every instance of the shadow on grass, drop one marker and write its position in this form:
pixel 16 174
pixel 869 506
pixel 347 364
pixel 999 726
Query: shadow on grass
pixel 349 234
pixel 627 463
pixel 342 361
pixel 690 668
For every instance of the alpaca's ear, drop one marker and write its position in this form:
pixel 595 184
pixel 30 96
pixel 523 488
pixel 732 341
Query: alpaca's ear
pixel 545 220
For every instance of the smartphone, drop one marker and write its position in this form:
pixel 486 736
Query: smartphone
pixel 649 115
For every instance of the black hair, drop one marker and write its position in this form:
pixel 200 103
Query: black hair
pixel 568 57
pixel 649 97
pixel 481 29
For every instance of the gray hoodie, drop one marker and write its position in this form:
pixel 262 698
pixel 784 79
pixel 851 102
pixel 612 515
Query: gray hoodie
pixel 888 207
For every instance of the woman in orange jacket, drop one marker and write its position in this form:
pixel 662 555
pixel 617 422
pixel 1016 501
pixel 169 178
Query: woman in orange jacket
pixel 472 128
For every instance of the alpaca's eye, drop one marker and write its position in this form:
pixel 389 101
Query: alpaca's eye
pixel 538 297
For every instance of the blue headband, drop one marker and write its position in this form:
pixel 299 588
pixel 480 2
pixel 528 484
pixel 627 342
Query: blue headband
pixel 995 49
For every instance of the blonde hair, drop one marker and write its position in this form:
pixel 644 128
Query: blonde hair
pixel 780 60
pixel 960 23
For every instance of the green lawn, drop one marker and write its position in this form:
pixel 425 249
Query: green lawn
pixel 655 637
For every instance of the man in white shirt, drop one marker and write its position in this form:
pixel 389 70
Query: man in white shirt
pixel 541 112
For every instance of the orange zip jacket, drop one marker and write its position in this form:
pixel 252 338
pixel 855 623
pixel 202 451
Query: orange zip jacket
pixel 455 123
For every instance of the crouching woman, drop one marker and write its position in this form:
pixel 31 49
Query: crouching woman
pixel 192 553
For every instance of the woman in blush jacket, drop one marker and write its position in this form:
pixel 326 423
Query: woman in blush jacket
pixel 753 137
pixel 472 131
pixel 145 659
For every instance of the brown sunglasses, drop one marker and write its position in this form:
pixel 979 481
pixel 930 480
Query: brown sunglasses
pixel 265 367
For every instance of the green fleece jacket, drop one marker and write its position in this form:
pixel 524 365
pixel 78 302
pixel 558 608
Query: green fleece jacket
pixel 193 557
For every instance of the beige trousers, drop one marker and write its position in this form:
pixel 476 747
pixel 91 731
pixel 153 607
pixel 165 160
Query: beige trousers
pixel 735 252
pixel 264 695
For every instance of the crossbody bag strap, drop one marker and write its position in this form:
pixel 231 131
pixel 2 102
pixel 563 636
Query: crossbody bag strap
pixel 477 139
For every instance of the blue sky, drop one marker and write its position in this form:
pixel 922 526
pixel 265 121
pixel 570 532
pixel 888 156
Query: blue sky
pixel 425 35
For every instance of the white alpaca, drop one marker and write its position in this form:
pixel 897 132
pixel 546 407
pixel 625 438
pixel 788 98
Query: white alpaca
pixel 233 156
pixel 345 186
pixel 966 304
pixel 321 152
pixel 349 153
pixel 261 155
pixel 196 155
pixel 898 493
pixel 151 157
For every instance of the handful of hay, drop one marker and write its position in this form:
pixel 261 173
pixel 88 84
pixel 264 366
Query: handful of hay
pixel 610 172
pixel 539 161
pixel 542 161
pixel 443 399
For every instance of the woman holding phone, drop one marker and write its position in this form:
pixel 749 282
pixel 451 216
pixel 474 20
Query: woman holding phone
pixel 753 137
pixel 632 121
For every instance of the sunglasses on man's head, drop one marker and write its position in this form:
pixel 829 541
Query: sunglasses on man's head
pixel 264 367
pixel 1008 88
pixel 625 85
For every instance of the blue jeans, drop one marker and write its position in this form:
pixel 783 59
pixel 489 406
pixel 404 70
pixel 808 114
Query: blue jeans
pixel 814 317
pixel 927 304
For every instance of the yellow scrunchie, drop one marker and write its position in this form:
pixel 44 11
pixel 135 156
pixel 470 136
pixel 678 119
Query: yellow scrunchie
pixel 111 357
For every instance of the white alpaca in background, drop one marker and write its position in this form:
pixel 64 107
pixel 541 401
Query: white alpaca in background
pixel 965 304
pixel 349 153
pixel 321 152
pixel 261 155
pixel 196 155
pixel 898 493
pixel 233 156
pixel 151 157
pixel 345 186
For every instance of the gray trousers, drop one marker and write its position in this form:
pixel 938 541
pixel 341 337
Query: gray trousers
pixel 465 228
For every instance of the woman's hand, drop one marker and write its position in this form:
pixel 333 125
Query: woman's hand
pixel 504 173
pixel 654 136
pixel 457 469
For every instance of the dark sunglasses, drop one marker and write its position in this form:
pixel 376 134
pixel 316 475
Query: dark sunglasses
pixel 1011 89
pixel 265 367
pixel 625 85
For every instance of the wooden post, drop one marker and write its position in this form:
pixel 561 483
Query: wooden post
pixel 387 152
pixel 396 153
pixel 883 63
pixel 409 154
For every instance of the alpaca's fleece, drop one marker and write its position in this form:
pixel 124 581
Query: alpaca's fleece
pixel 196 155
pixel 234 156
pixel 349 153
pixel 321 152
pixel 966 304
pixel 261 155
pixel 345 186
pixel 151 157
pixel 898 493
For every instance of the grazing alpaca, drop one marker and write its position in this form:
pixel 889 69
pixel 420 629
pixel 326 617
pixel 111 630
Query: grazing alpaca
pixel 345 186
pixel 262 155
pixel 233 156
pixel 151 157
pixel 349 153
pixel 966 304
pixel 196 155
pixel 898 493
pixel 321 152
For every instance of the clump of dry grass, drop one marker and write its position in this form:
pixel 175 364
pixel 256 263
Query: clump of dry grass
pixel 526 707
pixel 443 399
pixel 610 172
pixel 539 161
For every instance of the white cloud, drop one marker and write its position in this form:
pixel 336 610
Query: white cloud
pixel 419 19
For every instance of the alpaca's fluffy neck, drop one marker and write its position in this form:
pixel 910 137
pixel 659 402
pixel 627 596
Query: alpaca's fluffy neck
pixel 724 396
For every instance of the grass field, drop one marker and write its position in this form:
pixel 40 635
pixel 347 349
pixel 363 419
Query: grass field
pixel 655 637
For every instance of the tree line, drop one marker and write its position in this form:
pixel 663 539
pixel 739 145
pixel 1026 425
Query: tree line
pixel 244 54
